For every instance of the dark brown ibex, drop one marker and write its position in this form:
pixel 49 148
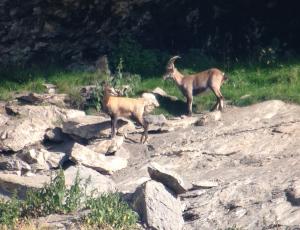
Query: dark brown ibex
pixel 197 83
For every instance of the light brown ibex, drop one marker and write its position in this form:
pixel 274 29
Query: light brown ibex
pixel 134 108
pixel 197 83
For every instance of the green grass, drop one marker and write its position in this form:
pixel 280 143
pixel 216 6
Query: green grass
pixel 246 85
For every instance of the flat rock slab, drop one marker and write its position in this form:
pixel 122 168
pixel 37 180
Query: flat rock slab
pixel 204 184
pixel 170 179
pixel 12 182
pixel 157 206
pixel 60 100
pixel 91 127
pixel 104 164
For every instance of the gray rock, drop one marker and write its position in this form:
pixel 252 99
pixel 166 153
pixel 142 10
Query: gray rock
pixel 158 207
pixel 209 118
pixel 107 146
pixel 14 164
pixel 30 125
pixel 253 153
pixel 51 89
pixel 204 184
pixel 162 93
pixel 59 221
pixel 41 159
pixel 60 100
pixel 167 177
pixel 156 119
pixel 10 183
pixel 90 127
pixel 151 102
pixel 54 135
pixel 3 119
pixel 104 164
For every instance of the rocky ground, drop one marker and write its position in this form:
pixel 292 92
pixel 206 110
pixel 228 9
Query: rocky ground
pixel 239 168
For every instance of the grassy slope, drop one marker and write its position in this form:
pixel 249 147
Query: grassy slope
pixel 258 83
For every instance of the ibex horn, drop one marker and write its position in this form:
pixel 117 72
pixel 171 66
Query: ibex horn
pixel 172 59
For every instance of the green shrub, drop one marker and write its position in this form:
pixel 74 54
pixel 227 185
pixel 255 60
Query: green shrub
pixel 109 209
pixel 54 197
pixel 10 212
pixel 106 211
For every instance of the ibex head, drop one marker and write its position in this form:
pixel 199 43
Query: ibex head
pixel 108 89
pixel 170 67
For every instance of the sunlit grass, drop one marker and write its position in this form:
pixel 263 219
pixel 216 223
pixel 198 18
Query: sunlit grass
pixel 246 85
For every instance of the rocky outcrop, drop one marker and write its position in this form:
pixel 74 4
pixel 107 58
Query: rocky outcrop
pixel 29 125
pixel 242 164
pixel 244 167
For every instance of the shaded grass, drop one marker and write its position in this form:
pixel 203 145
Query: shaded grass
pixel 246 85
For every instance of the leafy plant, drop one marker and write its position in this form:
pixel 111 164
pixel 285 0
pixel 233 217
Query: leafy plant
pixel 106 211
pixel 54 197
pixel 10 212
pixel 109 209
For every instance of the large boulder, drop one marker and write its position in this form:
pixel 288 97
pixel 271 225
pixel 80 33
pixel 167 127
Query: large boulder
pixel 157 206
pixel 101 163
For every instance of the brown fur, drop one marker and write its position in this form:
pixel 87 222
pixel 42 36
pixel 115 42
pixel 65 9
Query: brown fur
pixel 125 107
pixel 195 84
